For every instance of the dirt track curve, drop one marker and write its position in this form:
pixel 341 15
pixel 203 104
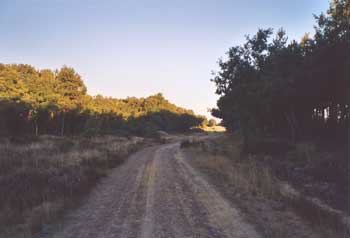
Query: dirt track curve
pixel 156 193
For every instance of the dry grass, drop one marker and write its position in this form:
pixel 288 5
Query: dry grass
pixel 38 179
pixel 213 128
pixel 222 160
pixel 223 157
pixel 248 176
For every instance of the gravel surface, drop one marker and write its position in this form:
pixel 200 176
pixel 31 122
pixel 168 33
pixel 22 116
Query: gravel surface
pixel 156 193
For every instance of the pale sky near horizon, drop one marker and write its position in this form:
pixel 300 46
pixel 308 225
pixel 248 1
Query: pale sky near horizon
pixel 139 48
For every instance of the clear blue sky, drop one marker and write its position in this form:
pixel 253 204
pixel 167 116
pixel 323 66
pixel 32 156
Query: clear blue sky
pixel 138 48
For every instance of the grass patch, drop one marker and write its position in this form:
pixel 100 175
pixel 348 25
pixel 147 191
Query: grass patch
pixel 247 176
pixel 222 156
pixel 258 175
pixel 39 178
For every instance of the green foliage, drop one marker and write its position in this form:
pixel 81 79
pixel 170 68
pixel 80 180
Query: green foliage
pixel 272 87
pixel 212 122
pixel 70 88
pixel 56 102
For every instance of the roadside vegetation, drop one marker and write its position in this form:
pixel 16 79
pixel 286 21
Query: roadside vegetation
pixel 275 189
pixel 289 102
pixel 224 158
pixel 40 177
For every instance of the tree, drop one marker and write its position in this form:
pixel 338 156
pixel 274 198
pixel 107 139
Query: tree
pixel 12 86
pixel 42 96
pixel 267 85
pixel 55 102
pixel 71 89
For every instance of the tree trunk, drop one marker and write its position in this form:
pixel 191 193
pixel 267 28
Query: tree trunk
pixel 62 124
pixel 295 124
pixel 292 126
pixel 348 145
pixel 36 127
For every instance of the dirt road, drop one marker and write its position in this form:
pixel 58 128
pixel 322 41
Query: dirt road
pixel 156 193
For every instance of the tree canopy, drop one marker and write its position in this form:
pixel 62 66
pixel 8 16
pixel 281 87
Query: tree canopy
pixel 56 102
pixel 276 87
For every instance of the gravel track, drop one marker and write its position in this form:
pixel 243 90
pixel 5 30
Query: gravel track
pixel 155 193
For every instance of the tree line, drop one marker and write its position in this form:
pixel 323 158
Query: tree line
pixel 56 102
pixel 271 86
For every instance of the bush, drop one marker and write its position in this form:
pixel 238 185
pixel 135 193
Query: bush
pixel 212 123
